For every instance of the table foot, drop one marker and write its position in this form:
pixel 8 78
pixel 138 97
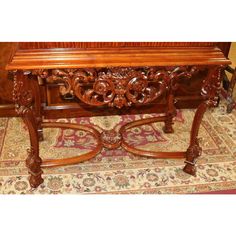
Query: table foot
pixel 35 181
pixel 193 152
pixel 190 168
pixel 33 163
pixel 168 129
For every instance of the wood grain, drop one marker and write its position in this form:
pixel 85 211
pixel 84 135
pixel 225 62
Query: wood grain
pixel 187 96
pixel 47 45
pixel 115 57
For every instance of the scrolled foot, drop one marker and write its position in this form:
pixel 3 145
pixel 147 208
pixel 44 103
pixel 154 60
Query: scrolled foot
pixel 33 163
pixel 168 129
pixel 193 152
pixel 35 180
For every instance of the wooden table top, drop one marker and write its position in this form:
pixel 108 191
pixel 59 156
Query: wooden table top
pixel 115 57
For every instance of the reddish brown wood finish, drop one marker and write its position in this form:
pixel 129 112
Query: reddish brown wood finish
pixel 187 96
pixel 210 90
pixel 49 45
pixel 24 96
pixel 112 57
pixel 120 72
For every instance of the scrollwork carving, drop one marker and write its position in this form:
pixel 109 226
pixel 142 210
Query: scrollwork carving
pixel 211 86
pixel 116 86
pixel 194 151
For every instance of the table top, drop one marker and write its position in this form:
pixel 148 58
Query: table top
pixel 24 59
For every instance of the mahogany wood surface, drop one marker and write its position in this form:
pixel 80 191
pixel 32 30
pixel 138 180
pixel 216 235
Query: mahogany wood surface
pixel 112 57
pixel 120 78
pixel 224 46
pixel 76 79
pixel 187 96
pixel 48 45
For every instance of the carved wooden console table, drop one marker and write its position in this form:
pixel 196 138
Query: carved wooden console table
pixel 113 78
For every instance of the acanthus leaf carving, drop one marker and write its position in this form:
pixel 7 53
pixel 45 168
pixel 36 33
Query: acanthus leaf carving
pixel 23 98
pixel 211 86
pixel 117 86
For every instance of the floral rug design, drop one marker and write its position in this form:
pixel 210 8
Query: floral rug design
pixel 116 171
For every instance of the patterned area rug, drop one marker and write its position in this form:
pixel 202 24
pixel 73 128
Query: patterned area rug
pixel 116 171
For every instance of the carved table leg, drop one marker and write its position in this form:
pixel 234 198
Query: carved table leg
pixel 23 96
pixel 194 150
pixel 210 90
pixel 37 106
pixel 33 162
pixel 171 112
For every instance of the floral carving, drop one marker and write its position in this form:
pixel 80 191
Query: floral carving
pixel 210 91
pixel 116 86
pixel 111 139
pixel 211 86
pixel 194 151
pixel 23 98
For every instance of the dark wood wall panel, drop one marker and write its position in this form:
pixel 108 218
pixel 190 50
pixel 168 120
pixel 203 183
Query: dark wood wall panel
pixel 225 47
pixel 37 45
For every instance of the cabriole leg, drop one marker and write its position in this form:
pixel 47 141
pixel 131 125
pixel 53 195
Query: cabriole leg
pixel 23 95
pixel 210 91
pixel 194 150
